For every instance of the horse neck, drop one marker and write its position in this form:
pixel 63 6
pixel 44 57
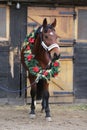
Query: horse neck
pixel 38 50
pixel 41 54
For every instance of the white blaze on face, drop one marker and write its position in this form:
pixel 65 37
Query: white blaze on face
pixel 41 29
pixel 51 33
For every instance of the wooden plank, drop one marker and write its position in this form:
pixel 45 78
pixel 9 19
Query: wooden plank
pixel 55 99
pixel 48 11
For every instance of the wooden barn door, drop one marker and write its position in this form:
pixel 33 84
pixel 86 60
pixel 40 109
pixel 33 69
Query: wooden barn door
pixel 17 34
pixel 63 83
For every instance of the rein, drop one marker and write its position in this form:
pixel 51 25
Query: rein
pixel 23 89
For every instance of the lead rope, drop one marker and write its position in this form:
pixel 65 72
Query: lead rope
pixel 18 90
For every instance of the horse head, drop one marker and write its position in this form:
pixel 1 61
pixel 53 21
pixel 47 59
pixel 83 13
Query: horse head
pixel 48 40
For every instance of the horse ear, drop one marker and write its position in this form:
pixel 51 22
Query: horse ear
pixel 54 23
pixel 44 22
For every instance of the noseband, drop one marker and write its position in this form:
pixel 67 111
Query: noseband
pixel 49 48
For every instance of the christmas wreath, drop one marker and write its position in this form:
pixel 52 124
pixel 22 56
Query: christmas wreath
pixel 33 64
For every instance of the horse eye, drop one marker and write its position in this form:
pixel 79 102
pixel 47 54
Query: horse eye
pixel 46 36
pixel 45 30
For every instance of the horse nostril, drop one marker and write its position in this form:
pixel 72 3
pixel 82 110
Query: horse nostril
pixel 55 55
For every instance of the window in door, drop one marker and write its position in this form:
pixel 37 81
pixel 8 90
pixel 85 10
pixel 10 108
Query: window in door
pixel 81 24
pixel 4 23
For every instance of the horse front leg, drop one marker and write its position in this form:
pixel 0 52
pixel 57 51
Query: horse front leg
pixel 33 96
pixel 45 103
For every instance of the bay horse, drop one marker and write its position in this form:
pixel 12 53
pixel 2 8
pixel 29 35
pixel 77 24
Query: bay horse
pixel 45 50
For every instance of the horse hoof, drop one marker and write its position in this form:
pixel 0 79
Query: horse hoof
pixel 49 119
pixel 32 116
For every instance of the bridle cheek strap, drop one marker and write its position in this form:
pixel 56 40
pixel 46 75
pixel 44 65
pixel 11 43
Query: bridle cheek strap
pixel 48 48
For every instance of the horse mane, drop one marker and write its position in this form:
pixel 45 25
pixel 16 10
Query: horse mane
pixel 38 31
pixel 36 44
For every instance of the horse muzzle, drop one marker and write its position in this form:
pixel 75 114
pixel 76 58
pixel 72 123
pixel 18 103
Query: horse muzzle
pixel 55 57
pixel 53 49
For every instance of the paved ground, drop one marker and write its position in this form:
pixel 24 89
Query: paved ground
pixel 64 117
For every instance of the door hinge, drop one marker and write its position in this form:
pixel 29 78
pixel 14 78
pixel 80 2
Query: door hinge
pixel 68 13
